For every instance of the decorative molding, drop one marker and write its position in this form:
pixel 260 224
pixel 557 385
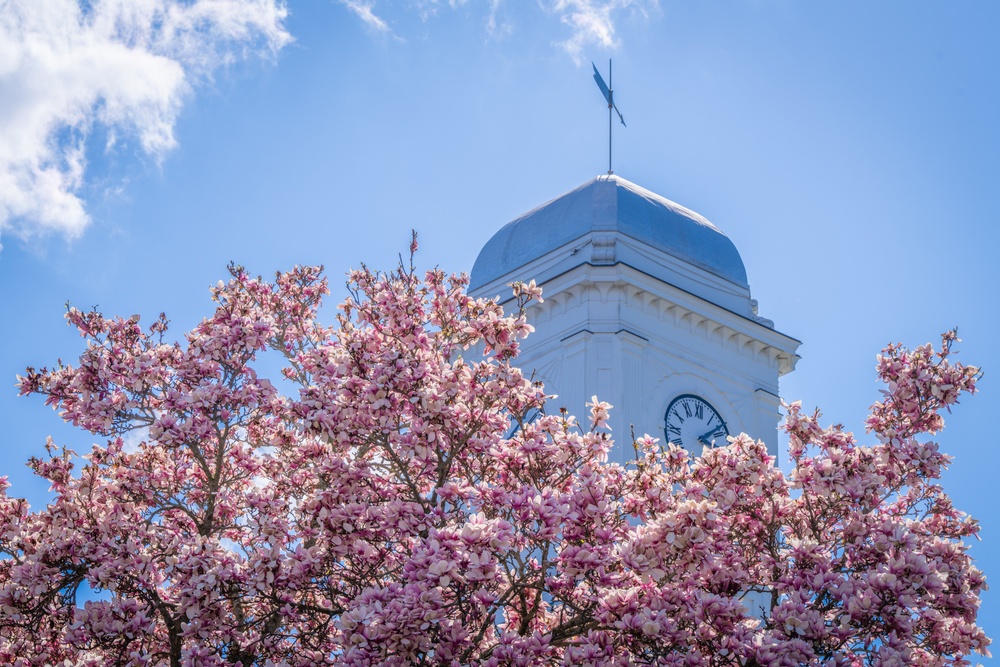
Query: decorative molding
pixel 658 306
pixel 603 249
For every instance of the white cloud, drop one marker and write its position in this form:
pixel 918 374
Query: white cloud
pixel 133 439
pixel 68 66
pixel 495 28
pixel 592 22
pixel 365 10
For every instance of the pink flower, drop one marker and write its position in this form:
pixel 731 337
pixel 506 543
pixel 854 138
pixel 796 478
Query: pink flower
pixel 378 513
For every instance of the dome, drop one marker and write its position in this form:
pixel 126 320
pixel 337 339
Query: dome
pixel 609 204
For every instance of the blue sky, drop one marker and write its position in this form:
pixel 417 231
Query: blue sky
pixel 850 151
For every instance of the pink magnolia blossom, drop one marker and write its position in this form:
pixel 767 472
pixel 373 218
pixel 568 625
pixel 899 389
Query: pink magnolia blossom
pixel 374 506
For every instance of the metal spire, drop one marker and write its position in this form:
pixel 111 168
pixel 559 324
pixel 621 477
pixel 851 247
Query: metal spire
pixel 609 95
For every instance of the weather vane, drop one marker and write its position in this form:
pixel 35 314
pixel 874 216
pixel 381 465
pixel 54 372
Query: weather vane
pixel 609 95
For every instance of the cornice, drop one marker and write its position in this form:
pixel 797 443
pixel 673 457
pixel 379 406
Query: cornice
pixel 751 339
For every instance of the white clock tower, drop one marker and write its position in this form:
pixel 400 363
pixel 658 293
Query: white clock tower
pixel 646 306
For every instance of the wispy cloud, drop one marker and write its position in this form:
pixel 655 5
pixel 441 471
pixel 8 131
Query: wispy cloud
pixel 366 12
pixel 70 66
pixel 495 27
pixel 591 22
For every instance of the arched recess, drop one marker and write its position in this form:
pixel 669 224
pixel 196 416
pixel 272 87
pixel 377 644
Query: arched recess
pixel 675 385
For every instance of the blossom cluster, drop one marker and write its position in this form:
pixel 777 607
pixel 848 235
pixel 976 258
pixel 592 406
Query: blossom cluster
pixel 389 501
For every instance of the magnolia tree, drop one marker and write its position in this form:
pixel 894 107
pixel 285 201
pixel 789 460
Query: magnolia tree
pixel 384 511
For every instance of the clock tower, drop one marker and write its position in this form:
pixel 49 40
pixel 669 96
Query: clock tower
pixel 646 306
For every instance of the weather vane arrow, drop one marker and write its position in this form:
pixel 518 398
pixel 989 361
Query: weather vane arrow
pixel 609 95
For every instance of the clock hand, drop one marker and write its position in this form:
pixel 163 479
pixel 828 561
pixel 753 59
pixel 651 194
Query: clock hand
pixel 703 437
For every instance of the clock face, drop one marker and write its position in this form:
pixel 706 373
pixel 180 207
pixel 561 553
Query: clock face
pixel 692 423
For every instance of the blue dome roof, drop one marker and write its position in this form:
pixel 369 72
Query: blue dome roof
pixel 609 204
